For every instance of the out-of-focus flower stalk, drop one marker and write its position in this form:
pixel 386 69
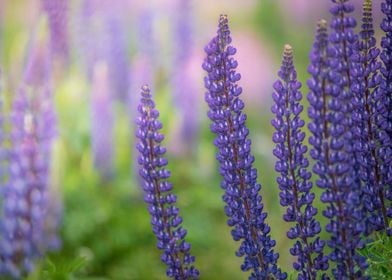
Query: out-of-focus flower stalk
pixel 25 200
pixel 102 122
pixel 184 91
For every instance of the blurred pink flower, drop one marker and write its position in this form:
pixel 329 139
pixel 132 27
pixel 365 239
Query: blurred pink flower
pixel 254 64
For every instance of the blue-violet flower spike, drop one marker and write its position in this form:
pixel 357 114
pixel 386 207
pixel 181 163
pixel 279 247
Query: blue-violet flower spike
pixel 165 219
pixel 341 179
pixel 244 206
pixel 386 93
pixel 294 177
pixel 372 143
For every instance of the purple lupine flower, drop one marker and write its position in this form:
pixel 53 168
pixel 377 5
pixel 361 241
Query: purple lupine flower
pixel 386 57
pixel 25 193
pixel 2 134
pixel 57 11
pixel 369 112
pixel 330 111
pixel 117 57
pixel 165 219
pixel 16 223
pixel 318 101
pixel 294 180
pixel 102 122
pixel 244 206
pixel 385 122
pixel 184 91
pixel 103 37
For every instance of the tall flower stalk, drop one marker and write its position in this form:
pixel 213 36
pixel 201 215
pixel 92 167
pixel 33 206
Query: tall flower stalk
pixel 384 119
pixel 244 206
pixel 165 219
pixel 386 50
pixel 333 144
pixel 25 201
pixel 292 165
pixel 372 143
pixel 102 122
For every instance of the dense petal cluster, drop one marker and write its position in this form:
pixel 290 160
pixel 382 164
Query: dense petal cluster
pixel 294 177
pixel 333 142
pixel 372 144
pixel 244 206
pixel 165 219
pixel 318 101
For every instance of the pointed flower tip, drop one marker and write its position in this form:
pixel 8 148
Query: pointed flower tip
pixel 146 97
pixel 288 51
pixel 367 5
pixel 322 24
pixel 223 23
pixel 223 18
pixel 145 88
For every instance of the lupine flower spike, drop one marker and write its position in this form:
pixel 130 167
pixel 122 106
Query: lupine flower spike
pixel 318 102
pixel 330 111
pixel 165 219
pixel 244 206
pixel 385 121
pixel 372 143
pixel 25 194
pixel 292 165
pixel 386 57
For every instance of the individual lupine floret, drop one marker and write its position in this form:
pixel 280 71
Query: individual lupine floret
pixel 340 179
pixel 294 177
pixel 244 206
pixel 372 143
pixel 165 219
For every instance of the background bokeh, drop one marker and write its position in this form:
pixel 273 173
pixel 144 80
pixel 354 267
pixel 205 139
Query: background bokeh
pixel 105 51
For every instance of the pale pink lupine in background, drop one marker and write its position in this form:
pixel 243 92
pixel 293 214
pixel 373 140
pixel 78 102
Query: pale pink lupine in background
pixel 254 64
